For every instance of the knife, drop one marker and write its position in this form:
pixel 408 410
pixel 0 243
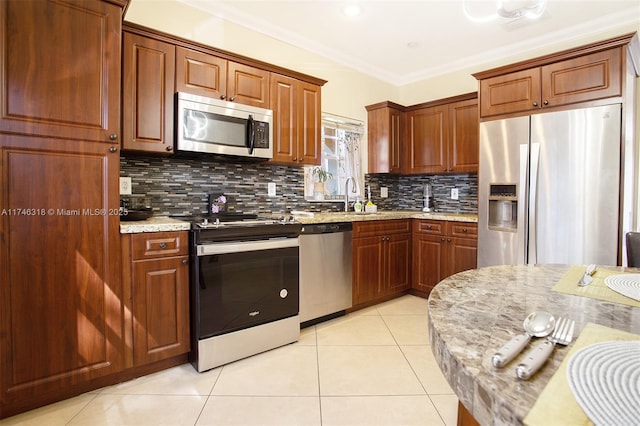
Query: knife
pixel 587 277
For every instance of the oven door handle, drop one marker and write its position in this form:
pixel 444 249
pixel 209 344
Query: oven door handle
pixel 245 246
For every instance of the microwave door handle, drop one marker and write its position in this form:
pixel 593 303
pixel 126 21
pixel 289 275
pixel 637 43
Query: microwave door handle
pixel 251 136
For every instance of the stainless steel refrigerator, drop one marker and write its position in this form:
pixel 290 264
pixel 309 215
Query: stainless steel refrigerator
pixel 549 188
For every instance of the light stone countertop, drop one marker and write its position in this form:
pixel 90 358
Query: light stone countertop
pixel 163 223
pixel 473 313
pixel 383 215
pixel 154 224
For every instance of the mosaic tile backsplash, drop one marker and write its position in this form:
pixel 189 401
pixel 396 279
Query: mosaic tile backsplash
pixel 181 186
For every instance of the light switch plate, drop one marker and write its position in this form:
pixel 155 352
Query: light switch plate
pixel 454 193
pixel 125 186
pixel 271 189
pixel 384 192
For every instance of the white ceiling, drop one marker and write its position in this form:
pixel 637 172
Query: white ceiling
pixel 406 41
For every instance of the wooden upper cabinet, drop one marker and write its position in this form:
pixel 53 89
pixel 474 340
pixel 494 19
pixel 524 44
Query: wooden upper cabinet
pixel 434 137
pixel 247 85
pixel 297 121
pixel 147 94
pixel 309 123
pixel 61 69
pixel 514 92
pixel 207 75
pixel 581 79
pixel 385 137
pixel 464 131
pixel 200 73
pixel 574 80
pixel 427 135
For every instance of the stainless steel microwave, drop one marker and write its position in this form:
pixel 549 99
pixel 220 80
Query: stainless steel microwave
pixel 213 126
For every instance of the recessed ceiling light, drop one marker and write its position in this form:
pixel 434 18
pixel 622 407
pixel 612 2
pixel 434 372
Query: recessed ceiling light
pixel 351 10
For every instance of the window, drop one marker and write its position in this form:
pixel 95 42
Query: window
pixel 341 157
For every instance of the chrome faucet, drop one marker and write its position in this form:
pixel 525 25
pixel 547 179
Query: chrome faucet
pixel 346 192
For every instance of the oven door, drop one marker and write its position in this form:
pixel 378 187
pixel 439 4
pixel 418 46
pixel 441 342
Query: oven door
pixel 243 284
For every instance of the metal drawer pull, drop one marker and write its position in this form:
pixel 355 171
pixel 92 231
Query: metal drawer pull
pixel 163 245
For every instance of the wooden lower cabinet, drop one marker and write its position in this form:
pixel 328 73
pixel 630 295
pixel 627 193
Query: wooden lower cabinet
pixel 381 260
pixel 158 275
pixel 61 295
pixel 441 249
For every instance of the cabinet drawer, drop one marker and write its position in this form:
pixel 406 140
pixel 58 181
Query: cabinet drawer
pixel 159 244
pixel 432 227
pixel 463 229
pixel 379 227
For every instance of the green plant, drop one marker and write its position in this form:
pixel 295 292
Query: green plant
pixel 323 175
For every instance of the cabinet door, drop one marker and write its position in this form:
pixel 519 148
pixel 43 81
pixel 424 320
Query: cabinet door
pixel 147 94
pixel 385 131
pixel 309 123
pixel 464 133
pixel 398 267
pixel 368 268
pixel 61 69
pixel 283 94
pixel 428 261
pixel 60 283
pixel 463 254
pixel 427 140
pixel 514 92
pixel 581 79
pixel 200 74
pixel 160 309
pixel 247 85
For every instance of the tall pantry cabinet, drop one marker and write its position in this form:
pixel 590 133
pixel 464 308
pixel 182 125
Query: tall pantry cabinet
pixel 61 305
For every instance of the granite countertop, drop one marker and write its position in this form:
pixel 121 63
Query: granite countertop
pixel 154 224
pixel 383 215
pixel 473 313
pixel 162 223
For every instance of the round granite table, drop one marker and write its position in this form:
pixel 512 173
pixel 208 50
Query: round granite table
pixel 473 313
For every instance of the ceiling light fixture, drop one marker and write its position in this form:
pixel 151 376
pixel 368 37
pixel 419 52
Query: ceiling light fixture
pixel 510 9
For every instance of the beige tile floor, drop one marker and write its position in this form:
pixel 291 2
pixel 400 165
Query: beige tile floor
pixel 372 367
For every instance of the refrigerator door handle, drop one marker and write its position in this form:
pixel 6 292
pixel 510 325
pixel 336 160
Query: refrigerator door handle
pixel 522 206
pixel 533 188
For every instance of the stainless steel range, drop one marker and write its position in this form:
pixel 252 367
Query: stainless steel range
pixel 244 287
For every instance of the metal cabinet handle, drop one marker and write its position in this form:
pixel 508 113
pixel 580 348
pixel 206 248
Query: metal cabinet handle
pixel 231 99
pixel 163 245
pixel 546 102
pixel 113 136
pixel 185 261
pixel 169 148
pixel 442 239
pixel 535 104
pixel 113 149
pixel 464 229
pixel 223 97
pixel 448 240
pixel 428 226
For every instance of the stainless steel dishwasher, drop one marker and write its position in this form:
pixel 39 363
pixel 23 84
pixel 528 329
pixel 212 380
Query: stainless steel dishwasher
pixel 325 271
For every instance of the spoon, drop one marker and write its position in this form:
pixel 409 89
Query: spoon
pixel 536 324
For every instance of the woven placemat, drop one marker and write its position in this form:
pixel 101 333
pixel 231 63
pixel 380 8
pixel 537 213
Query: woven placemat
pixel 556 405
pixel 568 284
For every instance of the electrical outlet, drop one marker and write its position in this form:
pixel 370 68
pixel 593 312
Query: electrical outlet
pixel 271 189
pixel 454 193
pixel 384 192
pixel 125 186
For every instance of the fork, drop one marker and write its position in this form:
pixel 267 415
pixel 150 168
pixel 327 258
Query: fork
pixel 536 357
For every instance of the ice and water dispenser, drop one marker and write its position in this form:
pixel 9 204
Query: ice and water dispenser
pixel 503 207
